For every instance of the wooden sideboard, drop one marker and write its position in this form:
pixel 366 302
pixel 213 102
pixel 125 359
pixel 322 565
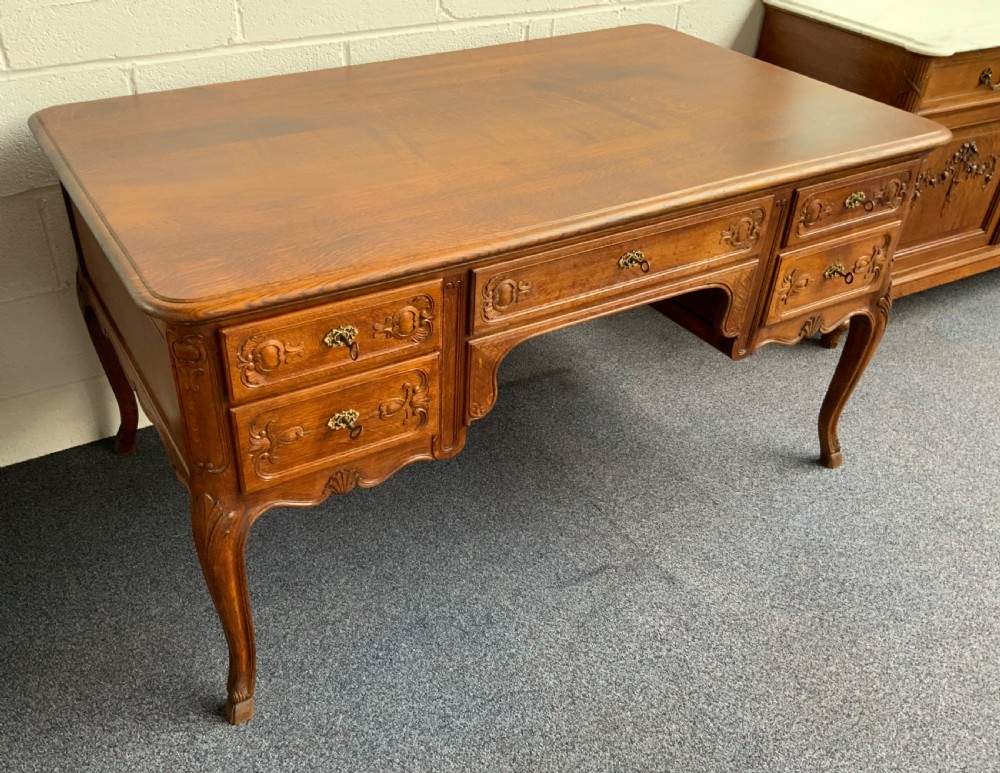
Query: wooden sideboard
pixel 310 281
pixel 954 229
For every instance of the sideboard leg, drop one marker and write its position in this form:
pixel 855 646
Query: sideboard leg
pixel 863 337
pixel 220 535
pixel 831 340
pixel 128 409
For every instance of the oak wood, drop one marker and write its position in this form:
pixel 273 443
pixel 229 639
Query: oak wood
pixel 809 277
pixel 390 169
pixel 291 350
pixel 225 232
pixel 954 230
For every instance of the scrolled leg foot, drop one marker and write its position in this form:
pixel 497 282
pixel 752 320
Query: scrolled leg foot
pixel 236 713
pixel 831 460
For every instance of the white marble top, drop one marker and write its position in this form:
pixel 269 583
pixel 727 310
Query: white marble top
pixel 932 27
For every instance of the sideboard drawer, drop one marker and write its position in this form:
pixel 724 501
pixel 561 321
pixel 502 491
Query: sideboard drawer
pixel 539 284
pixel 284 437
pixel 828 273
pixel 963 78
pixel 828 207
pixel 333 339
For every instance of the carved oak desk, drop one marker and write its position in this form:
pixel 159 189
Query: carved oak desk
pixel 311 280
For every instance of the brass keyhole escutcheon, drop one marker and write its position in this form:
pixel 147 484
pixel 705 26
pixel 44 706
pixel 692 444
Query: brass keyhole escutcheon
pixel 837 269
pixel 634 258
pixel 855 200
pixel 346 420
pixel 345 335
pixel 986 79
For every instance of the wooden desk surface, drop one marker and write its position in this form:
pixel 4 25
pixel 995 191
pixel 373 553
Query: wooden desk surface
pixel 217 199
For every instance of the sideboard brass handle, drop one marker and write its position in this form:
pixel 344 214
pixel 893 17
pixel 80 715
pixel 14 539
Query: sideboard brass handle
pixel 837 269
pixel 986 79
pixel 345 335
pixel 634 258
pixel 855 200
pixel 346 420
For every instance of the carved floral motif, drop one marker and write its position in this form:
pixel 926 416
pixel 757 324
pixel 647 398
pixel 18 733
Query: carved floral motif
pixel 814 209
pixel 190 355
pixel 219 522
pixel 744 233
pixel 792 284
pixel 962 166
pixel 192 365
pixel 412 321
pixel 265 442
pixel 258 359
pixel 413 404
pixel 500 293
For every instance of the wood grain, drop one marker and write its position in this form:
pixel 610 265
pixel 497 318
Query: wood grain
pixel 386 170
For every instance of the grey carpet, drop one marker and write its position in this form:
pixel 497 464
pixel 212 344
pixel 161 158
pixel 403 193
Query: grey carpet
pixel 634 565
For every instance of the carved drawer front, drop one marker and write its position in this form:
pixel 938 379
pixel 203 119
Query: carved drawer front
pixel 540 284
pixel 329 425
pixel 821 210
pixel 331 340
pixel 963 79
pixel 829 273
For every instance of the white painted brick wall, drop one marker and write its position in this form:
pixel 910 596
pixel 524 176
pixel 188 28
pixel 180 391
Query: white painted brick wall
pixel 56 51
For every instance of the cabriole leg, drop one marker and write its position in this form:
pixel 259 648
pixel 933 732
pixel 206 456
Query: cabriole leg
pixel 863 337
pixel 220 536
pixel 128 409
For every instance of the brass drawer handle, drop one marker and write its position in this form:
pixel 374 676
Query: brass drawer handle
pixel 855 200
pixel 986 79
pixel 344 335
pixel 634 258
pixel 346 420
pixel 837 269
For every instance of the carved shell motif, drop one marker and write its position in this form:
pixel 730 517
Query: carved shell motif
pixel 500 294
pixel 412 321
pixel 342 481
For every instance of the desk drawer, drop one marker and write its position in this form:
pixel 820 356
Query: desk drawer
pixel 539 284
pixel 829 273
pixel 330 425
pixel 820 210
pixel 331 340
pixel 963 78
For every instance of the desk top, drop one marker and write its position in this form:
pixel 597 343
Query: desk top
pixel 218 199
pixel 930 27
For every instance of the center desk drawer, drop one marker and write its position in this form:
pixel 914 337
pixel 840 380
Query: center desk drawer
pixel 538 284
pixel 330 425
pixel 334 339
pixel 829 273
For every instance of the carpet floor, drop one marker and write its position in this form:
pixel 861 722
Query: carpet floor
pixel 635 565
